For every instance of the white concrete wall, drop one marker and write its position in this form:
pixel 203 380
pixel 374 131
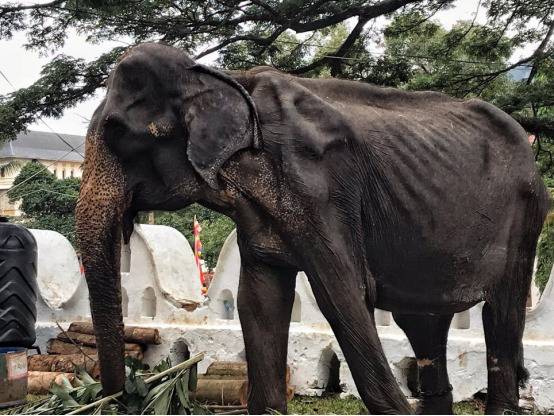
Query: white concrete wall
pixel 160 284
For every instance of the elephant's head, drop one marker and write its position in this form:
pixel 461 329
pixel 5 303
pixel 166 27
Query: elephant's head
pixel 158 141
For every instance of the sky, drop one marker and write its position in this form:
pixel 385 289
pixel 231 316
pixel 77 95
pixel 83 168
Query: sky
pixel 22 67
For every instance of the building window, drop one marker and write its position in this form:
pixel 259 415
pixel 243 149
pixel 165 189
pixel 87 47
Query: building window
pixel 63 174
pixel 71 174
pixel 55 173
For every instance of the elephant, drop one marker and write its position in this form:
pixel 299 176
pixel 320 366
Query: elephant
pixel 412 202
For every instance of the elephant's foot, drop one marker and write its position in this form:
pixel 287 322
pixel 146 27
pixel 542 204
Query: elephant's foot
pixel 435 404
pixel 502 408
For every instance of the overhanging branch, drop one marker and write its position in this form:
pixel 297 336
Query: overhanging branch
pixel 536 125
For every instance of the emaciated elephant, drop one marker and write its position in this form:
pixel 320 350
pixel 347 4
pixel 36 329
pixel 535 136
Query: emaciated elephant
pixel 412 202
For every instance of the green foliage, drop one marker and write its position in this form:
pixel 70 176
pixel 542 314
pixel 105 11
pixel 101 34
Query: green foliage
pixel 146 392
pixel 472 60
pixel 42 193
pixel 64 82
pixel 286 52
pixel 10 167
pixel 453 61
pixel 545 160
pixel 545 252
pixel 215 228
pixel 46 202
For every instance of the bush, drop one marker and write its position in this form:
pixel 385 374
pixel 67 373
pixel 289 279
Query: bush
pixel 545 252
pixel 47 203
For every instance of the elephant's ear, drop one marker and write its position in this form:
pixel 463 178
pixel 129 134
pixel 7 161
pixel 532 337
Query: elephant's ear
pixel 221 119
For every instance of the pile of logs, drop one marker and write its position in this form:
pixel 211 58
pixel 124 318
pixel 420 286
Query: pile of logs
pixel 226 383
pixel 224 387
pixel 76 347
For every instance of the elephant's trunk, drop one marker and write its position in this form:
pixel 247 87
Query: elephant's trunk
pixel 98 225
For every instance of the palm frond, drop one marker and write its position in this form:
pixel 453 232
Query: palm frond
pixel 10 167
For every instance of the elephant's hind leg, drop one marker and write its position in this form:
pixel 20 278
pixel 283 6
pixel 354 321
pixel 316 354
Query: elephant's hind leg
pixel 428 335
pixel 504 321
pixel 344 305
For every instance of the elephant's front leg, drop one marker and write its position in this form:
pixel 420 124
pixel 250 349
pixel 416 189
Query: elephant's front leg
pixel 265 299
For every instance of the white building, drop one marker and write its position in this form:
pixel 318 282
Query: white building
pixel 47 148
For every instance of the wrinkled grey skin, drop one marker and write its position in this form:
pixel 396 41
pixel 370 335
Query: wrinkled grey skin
pixel 411 202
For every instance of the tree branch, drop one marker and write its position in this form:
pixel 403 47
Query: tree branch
pixel 536 125
pixel 539 53
pixel 265 6
pixel 335 59
pixel 369 12
pixel 20 7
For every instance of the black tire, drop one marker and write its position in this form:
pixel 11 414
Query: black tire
pixel 18 286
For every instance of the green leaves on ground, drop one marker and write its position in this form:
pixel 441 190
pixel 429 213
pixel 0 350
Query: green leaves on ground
pixel 167 395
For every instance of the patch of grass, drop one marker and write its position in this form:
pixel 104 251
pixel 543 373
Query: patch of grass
pixel 469 407
pixel 334 405
pixel 304 405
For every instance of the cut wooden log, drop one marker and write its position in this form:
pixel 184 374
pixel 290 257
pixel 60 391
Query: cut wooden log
pixel 39 382
pixel 290 393
pixel 64 363
pixel 132 334
pixel 56 346
pixel 218 391
pixel 90 340
pixel 244 394
pixel 233 369
pixel 227 368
